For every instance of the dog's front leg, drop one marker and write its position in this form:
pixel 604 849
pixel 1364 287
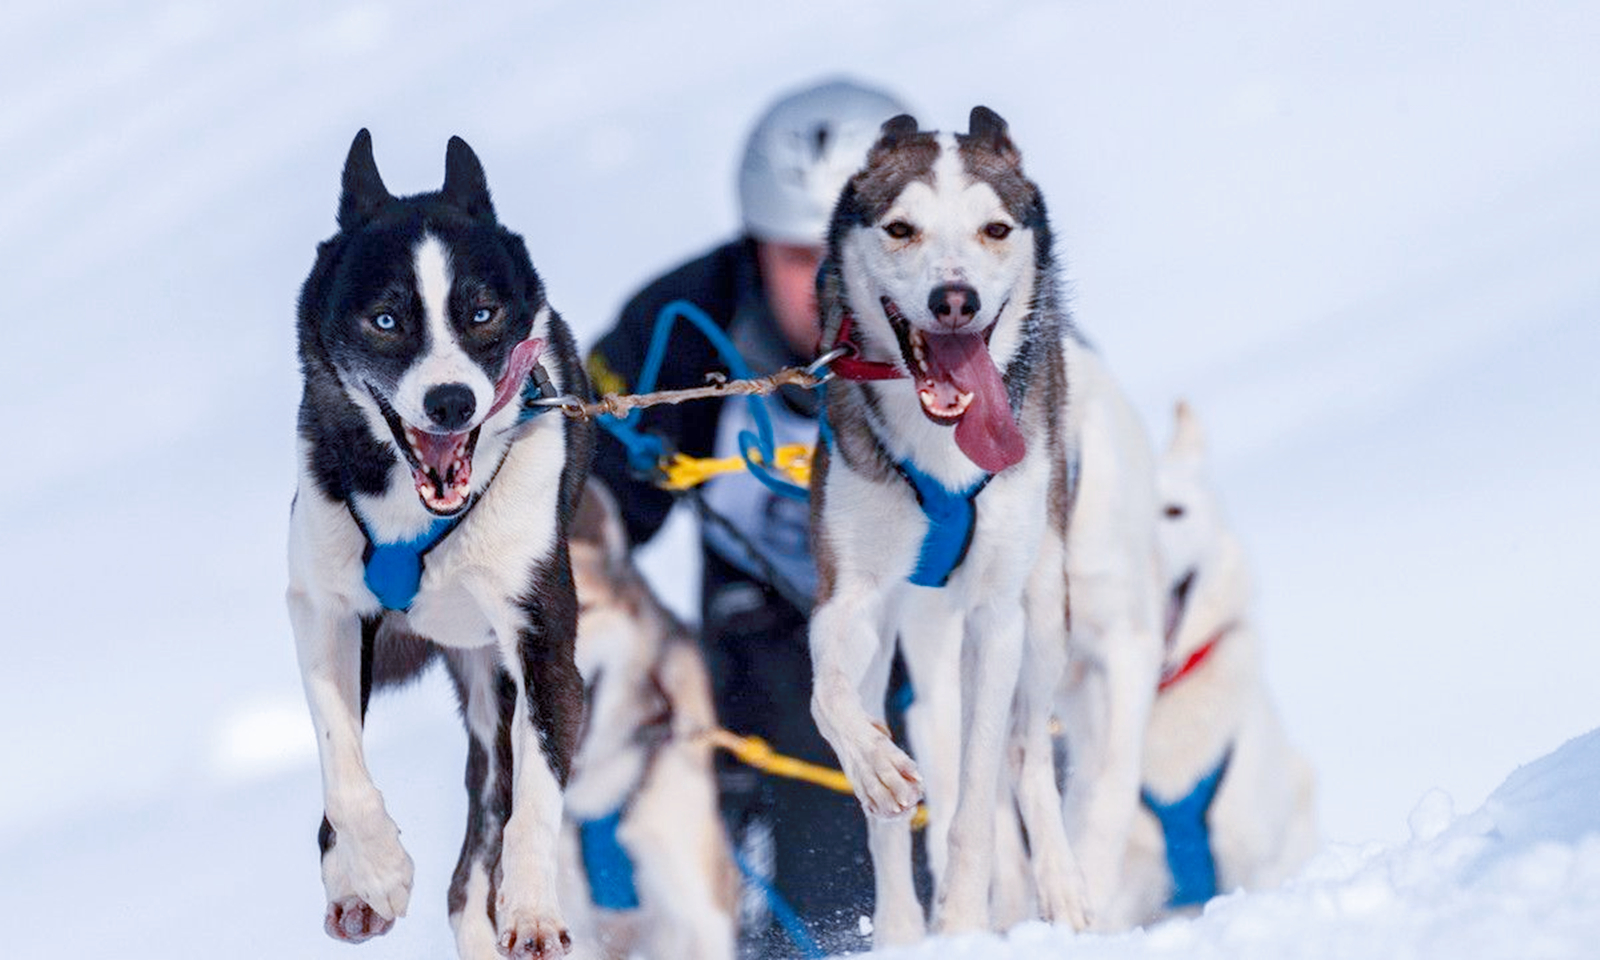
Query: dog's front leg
pixel 365 871
pixel 845 642
pixel 992 658
pixel 1110 707
pixel 897 917
pixel 546 713
pixel 481 687
pixel 1063 894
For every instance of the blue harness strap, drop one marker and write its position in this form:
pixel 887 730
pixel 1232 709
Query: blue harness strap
pixel 1188 837
pixel 394 570
pixel 607 864
pixel 952 520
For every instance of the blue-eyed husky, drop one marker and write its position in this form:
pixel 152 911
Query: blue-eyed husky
pixel 980 456
pixel 431 522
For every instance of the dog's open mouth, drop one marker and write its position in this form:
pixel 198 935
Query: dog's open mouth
pixel 441 463
pixel 960 386
pixel 441 467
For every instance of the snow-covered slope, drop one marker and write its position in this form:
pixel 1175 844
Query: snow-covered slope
pixel 1519 877
pixel 1360 235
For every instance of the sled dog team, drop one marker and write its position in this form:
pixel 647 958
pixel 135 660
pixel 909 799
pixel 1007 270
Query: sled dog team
pixel 988 504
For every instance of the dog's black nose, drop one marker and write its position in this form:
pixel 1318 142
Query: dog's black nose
pixel 955 304
pixel 449 405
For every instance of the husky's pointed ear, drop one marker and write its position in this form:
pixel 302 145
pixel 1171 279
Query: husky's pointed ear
pixel 986 128
pixel 1188 436
pixel 898 128
pixel 363 190
pixel 894 131
pixel 464 182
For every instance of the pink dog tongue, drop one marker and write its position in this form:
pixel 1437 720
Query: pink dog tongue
pixel 523 356
pixel 986 433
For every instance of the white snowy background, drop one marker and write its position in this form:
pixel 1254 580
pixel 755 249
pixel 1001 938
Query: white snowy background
pixel 1363 236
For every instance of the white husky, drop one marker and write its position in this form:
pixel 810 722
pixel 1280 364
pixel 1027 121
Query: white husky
pixel 949 512
pixel 1227 801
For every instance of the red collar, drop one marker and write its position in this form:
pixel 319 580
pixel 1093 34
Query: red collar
pixel 851 366
pixel 1172 673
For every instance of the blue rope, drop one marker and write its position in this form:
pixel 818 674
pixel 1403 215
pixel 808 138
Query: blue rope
pixel 782 912
pixel 758 449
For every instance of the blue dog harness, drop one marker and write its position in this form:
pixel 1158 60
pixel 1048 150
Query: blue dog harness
pixel 607 864
pixel 952 520
pixel 1188 837
pixel 394 570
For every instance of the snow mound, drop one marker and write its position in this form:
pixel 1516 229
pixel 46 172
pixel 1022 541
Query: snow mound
pixel 1519 877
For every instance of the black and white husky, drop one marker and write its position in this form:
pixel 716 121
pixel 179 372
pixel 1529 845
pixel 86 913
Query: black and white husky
pixel 431 521
pixel 949 511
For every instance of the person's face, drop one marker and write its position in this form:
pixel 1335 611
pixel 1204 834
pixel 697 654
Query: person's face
pixel 789 273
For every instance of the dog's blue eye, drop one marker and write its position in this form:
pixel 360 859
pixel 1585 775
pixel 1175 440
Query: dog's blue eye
pixel 484 315
pixel 384 321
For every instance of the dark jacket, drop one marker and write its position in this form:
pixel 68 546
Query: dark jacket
pixel 726 284
pixel 753 630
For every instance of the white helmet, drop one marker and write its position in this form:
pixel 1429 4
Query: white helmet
pixel 800 154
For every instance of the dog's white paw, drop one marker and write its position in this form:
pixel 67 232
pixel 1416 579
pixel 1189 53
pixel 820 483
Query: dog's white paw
pixel 353 921
pixel 952 919
pixel 1063 898
pixel 367 869
pixel 885 779
pixel 897 928
pixel 524 936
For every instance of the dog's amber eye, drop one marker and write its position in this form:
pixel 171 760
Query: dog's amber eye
pixel 899 230
pixel 1174 511
pixel 997 230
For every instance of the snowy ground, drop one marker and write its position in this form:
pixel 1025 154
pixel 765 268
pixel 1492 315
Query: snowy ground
pixel 1362 236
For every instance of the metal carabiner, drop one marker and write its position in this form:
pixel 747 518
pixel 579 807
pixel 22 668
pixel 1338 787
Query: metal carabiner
pixel 826 360
pixel 570 405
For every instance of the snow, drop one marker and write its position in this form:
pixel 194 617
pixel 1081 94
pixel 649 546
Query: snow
pixel 1361 236
pixel 1519 877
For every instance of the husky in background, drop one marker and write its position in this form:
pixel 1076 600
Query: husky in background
pixel 430 522
pixel 1227 800
pixel 648 869
pixel 954 502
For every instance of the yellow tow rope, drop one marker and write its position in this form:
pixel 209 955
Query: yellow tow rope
pixel 756 752
pixel 684 472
